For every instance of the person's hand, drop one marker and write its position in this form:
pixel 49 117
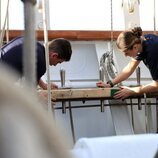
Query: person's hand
pixel 102 84
pixel 123 93
pixel 52 85
pixel 43 97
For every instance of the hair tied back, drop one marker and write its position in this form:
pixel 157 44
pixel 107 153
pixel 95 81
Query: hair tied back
pixel 137 31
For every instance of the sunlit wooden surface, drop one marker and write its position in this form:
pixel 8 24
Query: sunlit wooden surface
pixel 89 94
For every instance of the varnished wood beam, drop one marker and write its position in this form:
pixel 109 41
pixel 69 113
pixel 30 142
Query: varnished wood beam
pixel 72 35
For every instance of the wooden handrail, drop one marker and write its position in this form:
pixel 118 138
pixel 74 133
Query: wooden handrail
pixel 72 35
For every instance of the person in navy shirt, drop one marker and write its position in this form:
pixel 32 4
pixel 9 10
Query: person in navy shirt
pixel 59 51
pixel 139 48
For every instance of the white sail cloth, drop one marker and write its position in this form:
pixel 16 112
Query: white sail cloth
pixel 127 146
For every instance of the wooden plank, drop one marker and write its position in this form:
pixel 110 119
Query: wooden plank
pixel 62 94
pixel 89 93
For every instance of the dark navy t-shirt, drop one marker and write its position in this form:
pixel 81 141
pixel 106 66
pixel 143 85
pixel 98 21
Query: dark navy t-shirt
pixel 149 55
pixel 11 54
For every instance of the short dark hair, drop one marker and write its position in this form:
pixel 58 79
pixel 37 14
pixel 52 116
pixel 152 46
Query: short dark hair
pixel 62 47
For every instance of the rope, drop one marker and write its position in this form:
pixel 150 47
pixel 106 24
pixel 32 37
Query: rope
pixel 47 55
pixel 106 60
pixel 4 25
pixel 131 6
pixel 154 17
pixel 108 65
pixel 7 29
pixel 112 35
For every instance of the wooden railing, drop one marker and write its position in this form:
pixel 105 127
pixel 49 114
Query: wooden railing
pixel 72 35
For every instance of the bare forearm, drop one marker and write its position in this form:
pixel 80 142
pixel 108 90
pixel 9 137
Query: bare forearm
pixel 126 72
pixel 42 84
pixel 121 77
pixel 125 92
pixel 152 87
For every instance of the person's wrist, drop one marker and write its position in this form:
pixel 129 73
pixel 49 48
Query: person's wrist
pixel 110 83
pixel 44 86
